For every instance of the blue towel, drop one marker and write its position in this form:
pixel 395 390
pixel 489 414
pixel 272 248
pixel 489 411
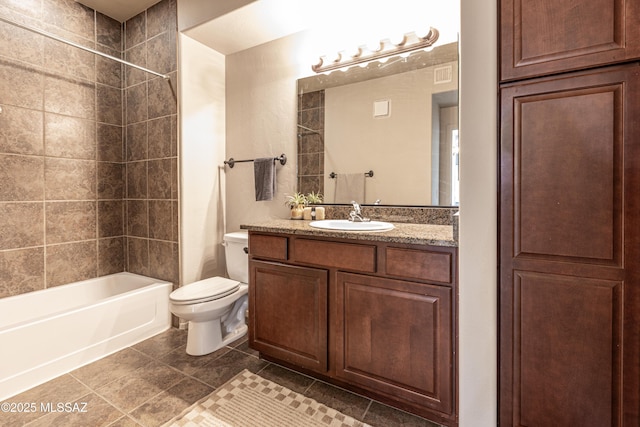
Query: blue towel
pixel 264 173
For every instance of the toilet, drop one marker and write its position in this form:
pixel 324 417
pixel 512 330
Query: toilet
pixel 215 307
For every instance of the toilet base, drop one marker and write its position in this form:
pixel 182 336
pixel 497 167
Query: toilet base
pixel 206 337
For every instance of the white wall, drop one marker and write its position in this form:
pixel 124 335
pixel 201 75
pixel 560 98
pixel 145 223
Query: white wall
pixel 261 122
pixel 202 151
pixel 478 214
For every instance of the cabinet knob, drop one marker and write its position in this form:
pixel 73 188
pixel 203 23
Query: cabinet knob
pixel 246 250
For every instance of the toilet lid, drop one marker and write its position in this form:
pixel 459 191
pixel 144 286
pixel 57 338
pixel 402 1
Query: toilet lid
pixel 205 290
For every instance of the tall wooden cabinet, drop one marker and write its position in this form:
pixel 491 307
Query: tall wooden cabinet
pixel 570 213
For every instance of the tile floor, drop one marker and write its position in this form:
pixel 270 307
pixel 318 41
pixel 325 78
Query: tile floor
pixel 151 382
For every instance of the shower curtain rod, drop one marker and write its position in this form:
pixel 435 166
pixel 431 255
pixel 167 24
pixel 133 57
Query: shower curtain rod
pixel 96 52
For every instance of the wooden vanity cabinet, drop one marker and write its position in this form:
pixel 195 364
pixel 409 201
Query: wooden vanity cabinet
pixel 394 337
pixel 288 306
pixel 375 317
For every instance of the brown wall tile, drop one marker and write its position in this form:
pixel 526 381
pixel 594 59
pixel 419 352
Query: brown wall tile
pixel 137 180
pixel 160 138
pixel 136 141
pixel 161 101
pixel 137 218
pixel 21 225
pixel 135 30
pixel 160 220
pixel 111 256
pixel 70 97
pixel 136 103
pixel 21 271
pixel 69 137
pixel 71 16
pixel 21 85
pixel 138 256
pixel 160 179
pixel 70 221
pixel 109 105
pixel 161 17
pixel 162 53
pixel 20 44
pixel 68 179
pixel 136 55
pixel 111 218
pixel 110 180
pixel 22 178
pixel 110 143
pixel 21 131
pixel 108 72
pixel 175 220
pixel 63 59
pixel 71 262
pixel 108 32
pixel 163 260
pixel 32 8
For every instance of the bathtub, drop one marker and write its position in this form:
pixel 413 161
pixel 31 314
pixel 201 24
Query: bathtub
pixel 47 333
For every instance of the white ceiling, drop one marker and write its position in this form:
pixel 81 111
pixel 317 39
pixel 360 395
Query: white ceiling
pixel 252 25
pixel 120 10
pixel 266 20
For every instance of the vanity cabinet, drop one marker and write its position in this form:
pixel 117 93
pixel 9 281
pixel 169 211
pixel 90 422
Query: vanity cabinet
pixel 289 313
pixel 569 214
pixel 375 317
pixel 549 36
pixel 394 337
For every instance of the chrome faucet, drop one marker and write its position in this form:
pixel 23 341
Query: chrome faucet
pixel 356 213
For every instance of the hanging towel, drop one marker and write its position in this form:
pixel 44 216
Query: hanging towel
pixel 264 173
pixel 349 187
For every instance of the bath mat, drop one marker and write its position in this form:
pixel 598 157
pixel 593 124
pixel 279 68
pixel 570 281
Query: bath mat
pixel 250 400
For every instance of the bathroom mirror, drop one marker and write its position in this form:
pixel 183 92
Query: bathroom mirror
pixel 393 123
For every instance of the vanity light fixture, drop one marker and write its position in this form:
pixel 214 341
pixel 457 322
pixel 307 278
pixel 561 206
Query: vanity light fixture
pixel 410 42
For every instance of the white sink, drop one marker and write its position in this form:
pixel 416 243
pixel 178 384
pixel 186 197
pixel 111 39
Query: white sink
pixel 346 225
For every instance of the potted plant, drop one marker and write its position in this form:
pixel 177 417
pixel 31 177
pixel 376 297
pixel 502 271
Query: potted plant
pixel 296 203
pixel 314 198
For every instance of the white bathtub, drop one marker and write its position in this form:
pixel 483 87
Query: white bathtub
pixel 47 333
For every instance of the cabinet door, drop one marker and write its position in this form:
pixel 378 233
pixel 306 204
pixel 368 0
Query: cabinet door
pixel 570 251
pixel 396 338
pixel 549 36
pixel 288 313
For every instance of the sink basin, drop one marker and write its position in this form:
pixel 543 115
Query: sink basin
pixel 346 225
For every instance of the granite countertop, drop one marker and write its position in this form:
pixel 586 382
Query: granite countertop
pixel 420 234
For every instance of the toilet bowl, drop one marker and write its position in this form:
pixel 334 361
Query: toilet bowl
pixel 215 307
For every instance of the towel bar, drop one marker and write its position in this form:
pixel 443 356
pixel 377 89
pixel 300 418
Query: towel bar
pixel 333 175
pixel 231 162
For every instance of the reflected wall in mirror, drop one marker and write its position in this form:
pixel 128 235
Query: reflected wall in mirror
pixel 397 119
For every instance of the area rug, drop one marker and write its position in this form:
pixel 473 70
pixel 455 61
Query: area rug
pixel 248 400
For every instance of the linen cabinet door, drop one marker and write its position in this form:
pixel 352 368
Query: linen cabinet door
pixel 396 338
pixel 544 37
pixel 570 251
pixel 288 313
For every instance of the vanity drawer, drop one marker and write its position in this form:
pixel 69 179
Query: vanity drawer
pixel 274 247
pixel 348 256
pixel 417 264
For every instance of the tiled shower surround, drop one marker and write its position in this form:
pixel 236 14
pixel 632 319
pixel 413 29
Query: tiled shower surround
pixel 88 148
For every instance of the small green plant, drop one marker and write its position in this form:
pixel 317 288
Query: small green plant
pixel 314 198
pixel 295 200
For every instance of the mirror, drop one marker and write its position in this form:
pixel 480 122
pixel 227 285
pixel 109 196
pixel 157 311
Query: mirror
pixel 382 134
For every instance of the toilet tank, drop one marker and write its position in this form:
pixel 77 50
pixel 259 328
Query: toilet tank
pixel 237 259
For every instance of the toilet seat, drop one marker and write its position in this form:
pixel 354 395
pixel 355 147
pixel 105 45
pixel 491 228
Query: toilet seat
pixel 204 290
